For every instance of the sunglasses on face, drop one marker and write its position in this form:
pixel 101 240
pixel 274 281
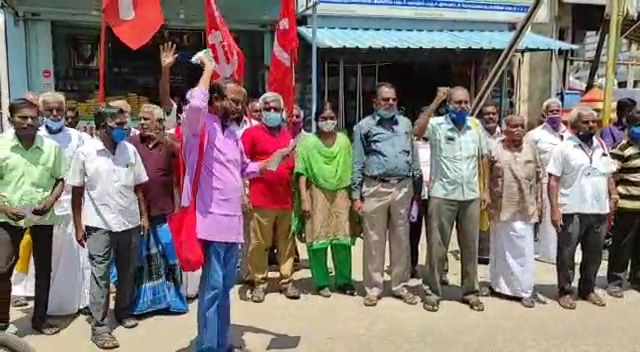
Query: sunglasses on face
pixel 271 109
pixel 389 100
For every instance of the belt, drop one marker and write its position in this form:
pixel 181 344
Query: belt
pixel 389 180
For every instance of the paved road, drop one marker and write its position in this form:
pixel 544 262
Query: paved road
pixel 316 324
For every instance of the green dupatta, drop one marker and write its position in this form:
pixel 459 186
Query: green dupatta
pixel 329 168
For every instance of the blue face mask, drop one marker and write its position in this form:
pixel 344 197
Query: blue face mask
pixel 634 134
pixel 386 114
pixel 118 134
pixel 458 117
pixel 53 125
pixel 272 118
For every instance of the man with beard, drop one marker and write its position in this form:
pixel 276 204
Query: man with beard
pixel 31 181
pixel 219 202
pixel 109 220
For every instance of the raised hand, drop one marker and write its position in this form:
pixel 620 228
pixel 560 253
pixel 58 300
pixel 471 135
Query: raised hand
pixel 168 55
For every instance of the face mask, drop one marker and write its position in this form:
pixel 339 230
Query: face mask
pixel 118 134
pixel 26 132
pixel 53 126
pixel 458 117
pixel 634 134
pixel 272 118
pixel 554 121
pixel 327 125
pixel 585 137
pixel 386 114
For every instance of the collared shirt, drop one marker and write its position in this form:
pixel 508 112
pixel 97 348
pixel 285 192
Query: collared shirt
pixel 584 176
pixel 613 135
pixel 545 139
pixel 272 189
pixel 27 176
pixel 224 165
pixel 455 158
pixel 109 180
pixel 383 152
pixel 515 181
pixel 243 126
pixel 493 139
pixel 424 154
pixel 158 160
pixel 69 140
pixel 627 158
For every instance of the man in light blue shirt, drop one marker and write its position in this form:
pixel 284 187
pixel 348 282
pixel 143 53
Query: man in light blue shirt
pixel 458 148
pixel 385 167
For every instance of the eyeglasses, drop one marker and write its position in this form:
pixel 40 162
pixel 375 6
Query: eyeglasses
pixel 389 100
pixel 272 109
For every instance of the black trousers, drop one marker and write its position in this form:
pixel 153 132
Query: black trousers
pixel 588 231
pixel 625 248
pixel 10 238
pixel 415 232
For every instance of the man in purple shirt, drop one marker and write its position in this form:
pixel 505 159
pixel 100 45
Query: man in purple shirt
pixel 219 219
pixel 613 134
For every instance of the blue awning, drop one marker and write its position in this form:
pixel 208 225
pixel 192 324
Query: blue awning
pixel 336 38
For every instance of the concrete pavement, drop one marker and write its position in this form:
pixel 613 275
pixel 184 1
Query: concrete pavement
pixel 337 324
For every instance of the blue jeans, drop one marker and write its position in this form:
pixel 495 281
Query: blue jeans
pixel 214 306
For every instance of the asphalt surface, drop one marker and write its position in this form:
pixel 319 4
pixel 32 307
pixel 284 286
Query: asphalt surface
pixel 341 323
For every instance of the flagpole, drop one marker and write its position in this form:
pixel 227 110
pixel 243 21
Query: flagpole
pixel 103 55
pixel 314 64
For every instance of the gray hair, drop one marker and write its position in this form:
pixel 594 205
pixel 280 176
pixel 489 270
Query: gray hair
pixel 51 97
pixel 509 118
pixel 550 102
pixel 575 114
pixel 271 97
pixel 155 110
pixel 121 104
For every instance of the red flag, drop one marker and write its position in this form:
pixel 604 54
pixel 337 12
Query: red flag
pixel 227 55
pixel 133 21
pixel 285 55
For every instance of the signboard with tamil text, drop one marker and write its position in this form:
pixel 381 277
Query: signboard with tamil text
pixel 474 10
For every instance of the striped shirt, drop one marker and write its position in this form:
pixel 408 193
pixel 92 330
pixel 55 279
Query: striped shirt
pixel 627 158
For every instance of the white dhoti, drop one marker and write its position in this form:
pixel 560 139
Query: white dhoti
pixel 547 236
pixel 70 271
pixel 511 264
pixel 191 283
pixel 23 285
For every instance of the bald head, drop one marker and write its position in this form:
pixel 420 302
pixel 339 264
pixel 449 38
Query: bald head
pixel 237 96
pixel 459 99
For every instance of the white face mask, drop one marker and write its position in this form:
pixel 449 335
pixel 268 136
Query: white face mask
pixel 327 125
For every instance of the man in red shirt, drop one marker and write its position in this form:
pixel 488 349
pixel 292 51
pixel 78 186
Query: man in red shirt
pixel 271 197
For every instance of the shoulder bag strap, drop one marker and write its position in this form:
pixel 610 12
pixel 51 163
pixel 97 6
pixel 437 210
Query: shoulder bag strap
pixel 196 178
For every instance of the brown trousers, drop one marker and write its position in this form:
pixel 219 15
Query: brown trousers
pixel 267 226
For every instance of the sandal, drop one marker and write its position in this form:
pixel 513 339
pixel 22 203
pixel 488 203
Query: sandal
pixel 19 302
pixel 474 303
pixel 431 304
pixel 528 302
pixel 128 323
pixel 567 302
pixel 615 292
pixel 47 329
pixel 408 298
pixel 105 341
pixel 595 299
pixel 370 301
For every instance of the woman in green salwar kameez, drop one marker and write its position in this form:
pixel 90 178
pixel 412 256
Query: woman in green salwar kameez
pixel 323 172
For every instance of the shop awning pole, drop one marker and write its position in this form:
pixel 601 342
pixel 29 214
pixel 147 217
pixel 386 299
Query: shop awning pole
pixel 612 57
pixel 504 58
pixel 103 55
pixel 314 64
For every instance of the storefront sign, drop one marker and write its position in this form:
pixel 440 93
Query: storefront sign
pixel 46 74
pixel 476 10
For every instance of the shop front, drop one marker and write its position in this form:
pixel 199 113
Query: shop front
pixel 417 51
pixel 65 41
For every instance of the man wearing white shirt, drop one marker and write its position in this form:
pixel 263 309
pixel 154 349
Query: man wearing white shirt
pixel 545 138
pixel 581 194
pixel 111 217
pixel 70 269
